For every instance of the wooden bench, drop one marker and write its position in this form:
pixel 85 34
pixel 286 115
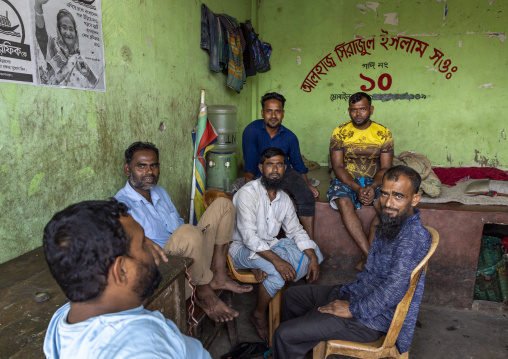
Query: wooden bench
pixel 23 321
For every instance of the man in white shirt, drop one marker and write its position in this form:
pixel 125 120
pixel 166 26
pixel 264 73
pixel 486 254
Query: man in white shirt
pixel 102 261
pixel 262 208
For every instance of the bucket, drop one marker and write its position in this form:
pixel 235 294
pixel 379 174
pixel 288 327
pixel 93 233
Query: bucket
pixel 223 119
pixel 220 170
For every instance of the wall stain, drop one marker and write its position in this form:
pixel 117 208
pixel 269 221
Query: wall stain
pixel 500 35
pixel 126 54
pixel 449 159
pixel 484 161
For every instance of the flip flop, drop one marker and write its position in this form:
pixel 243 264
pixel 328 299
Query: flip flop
pixel 246 350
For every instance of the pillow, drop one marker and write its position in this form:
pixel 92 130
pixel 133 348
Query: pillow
pixel 485 186
pixel 478 187
pixel 501 187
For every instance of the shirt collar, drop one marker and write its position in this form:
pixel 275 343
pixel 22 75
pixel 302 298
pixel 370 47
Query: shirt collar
pixel 135 196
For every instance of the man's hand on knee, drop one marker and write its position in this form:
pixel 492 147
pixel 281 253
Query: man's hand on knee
pixel 314 191
pixel 285 269
pixel 312 272
pixel 339 308
pixel 313 268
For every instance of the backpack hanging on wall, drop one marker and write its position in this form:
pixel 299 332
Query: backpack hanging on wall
pixel 262 51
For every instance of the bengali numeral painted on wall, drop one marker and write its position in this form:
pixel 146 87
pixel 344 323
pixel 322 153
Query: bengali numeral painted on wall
pixel 380 83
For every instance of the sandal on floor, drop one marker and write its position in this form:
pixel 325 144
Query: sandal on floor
pixel 246 350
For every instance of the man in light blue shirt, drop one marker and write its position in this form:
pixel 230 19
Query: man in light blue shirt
pixel 159 219
pixel 207 243
pixel 100 258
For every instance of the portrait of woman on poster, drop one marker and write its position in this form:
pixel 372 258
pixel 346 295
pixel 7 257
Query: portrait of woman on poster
pixel 64 64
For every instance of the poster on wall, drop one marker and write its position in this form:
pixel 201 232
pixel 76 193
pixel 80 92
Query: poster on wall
pixel 68 46
pixel 16 56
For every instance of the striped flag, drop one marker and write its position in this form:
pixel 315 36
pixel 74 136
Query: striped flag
pixel 205 136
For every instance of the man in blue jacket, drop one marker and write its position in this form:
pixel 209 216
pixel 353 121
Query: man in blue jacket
pixel 362 310
pixel 269 132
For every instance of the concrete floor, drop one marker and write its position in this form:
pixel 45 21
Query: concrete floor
pixel 480 333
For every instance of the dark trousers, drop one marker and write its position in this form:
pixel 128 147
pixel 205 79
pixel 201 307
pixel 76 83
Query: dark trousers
pixel 303 327
pixel 300 192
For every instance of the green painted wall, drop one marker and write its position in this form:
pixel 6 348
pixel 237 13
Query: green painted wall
pixel 60 146
pixel 460 123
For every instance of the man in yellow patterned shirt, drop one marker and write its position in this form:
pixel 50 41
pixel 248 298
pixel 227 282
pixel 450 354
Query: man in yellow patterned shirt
pixel 361 151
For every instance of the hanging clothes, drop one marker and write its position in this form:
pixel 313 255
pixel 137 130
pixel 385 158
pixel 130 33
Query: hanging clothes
pixel 248 55
pixel 210 39
pixel 236 70
pixel 235 49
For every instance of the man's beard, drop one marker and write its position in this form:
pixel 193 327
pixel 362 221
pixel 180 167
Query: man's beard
pixel 142 186
pixel 268 124
pixel 272 184
pixel 149 278
pixel 364 122
pixel 390 226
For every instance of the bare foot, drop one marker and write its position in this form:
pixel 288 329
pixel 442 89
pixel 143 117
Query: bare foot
pixel 360 266
pixel 229 284
pixel 260 324
pixel 258 274
pixel 215 308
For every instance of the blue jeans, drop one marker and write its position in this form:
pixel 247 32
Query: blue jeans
pixel 210 37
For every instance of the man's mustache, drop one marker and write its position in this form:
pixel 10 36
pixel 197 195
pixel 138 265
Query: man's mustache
pixel 390 208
